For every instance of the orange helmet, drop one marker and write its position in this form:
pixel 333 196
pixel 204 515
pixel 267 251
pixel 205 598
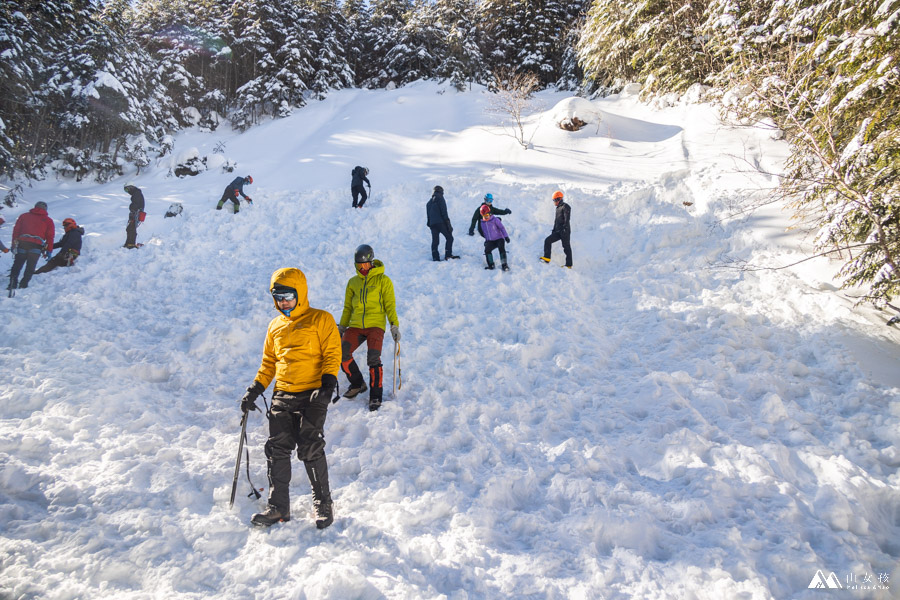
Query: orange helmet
pixel 249 179
pixel 485 211
pixel 557 195
pixel 69 223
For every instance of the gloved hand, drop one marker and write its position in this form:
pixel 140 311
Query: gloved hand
pixel 249 200
pixel 248 402
pixel 509 211
pixel 341 330
pixel 507 240
pixel 395 333
pixel 5 250
pixel 323 394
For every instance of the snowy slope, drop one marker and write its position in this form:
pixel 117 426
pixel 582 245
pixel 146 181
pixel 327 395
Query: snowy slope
pixel 642 426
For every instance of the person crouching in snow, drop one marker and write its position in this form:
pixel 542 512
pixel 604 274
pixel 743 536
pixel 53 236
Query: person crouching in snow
pixel 302 353
pixel 69 247
pixel 368 302
pixel 235 189
pixel 495 236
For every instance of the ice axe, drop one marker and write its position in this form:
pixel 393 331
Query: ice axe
pixel 397 377
pixel 237 464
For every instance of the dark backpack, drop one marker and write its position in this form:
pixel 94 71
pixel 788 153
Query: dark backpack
pixel 358 171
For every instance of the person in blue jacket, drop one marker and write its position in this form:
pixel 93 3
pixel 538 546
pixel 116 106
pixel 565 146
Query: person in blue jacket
pixel 235 189
pixel 69 247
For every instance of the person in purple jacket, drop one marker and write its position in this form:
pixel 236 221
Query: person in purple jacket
pixel 495 236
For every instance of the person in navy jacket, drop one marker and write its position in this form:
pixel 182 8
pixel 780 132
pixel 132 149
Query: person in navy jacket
pixel 69 247
pixel 235 189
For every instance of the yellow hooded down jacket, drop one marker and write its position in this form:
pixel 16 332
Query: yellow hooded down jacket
pixel 301 348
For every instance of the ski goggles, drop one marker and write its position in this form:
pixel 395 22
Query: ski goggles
pixel 284 296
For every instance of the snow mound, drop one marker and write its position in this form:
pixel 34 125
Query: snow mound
pixel 574 113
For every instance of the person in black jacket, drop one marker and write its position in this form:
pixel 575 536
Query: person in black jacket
pixel 476 218
pixel 562 230
pixel 358 175
pixel 439 222
pixel 69 247
pixel 235 189
pixel 134 210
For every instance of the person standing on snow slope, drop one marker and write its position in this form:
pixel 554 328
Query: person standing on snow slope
pixel 495 236
pixel 302 353
pixel 476 218
pixel 134 211
pixel 358 176
pixel 32 235
pixel 562 230
pixel 69 247
pixel 235 189
pixel 368 302
pixel 439 223
pixel 3 247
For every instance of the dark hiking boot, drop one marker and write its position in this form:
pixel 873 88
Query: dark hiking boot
pixel 505 267
pixel 271 516
pixel 355 390
pixel 374 404
pixel 449 256
pixel 490 267
pixel 324 513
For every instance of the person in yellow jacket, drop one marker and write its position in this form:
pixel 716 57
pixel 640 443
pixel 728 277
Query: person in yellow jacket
pixel 302 353
pixel 368 303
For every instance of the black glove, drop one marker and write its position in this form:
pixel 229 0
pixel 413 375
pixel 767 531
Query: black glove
pixel 323 395
pixel 248 402
pixel 507 240
pixel 509 211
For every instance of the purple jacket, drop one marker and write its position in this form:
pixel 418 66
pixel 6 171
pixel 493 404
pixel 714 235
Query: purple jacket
pixel 493 229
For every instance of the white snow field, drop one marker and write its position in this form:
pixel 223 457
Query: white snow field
pixel 645 425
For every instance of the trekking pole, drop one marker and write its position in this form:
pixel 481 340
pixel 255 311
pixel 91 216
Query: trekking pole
pixel 237 463
pixel 396 379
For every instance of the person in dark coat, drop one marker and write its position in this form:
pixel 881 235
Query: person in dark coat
pixel 562 230
pixel 439 222
pixel 233 191
pixel 356 186
pixel 32 236
pixel 134 210
pixel 3 247
pixel 69 247
pixel 476 218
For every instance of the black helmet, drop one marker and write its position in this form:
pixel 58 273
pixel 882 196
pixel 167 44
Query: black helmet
pixel 364 254
pixel 438 189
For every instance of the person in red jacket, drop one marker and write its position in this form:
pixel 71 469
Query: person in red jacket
pixel 32 236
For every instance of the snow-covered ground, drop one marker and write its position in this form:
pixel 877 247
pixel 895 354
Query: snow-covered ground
pixel 645 425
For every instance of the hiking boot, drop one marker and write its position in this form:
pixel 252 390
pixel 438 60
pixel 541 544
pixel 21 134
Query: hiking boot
pixel 271 516
pixel 545 259
pixel 374 404
pixel 449 256
pixel 324 513
pixel 355 390
pixel 505 267
pixel 489 268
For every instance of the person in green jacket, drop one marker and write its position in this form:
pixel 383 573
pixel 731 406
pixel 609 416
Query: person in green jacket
pixel 368 303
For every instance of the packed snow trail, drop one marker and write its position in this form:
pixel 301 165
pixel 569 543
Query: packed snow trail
pixel 638 426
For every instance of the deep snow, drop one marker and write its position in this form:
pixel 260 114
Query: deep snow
pixel 645 425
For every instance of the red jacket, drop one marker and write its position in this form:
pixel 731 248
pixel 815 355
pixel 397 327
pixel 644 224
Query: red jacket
pixel 34 226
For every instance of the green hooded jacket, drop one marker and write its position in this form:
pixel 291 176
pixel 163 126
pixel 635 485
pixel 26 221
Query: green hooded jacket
pixel 369 299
